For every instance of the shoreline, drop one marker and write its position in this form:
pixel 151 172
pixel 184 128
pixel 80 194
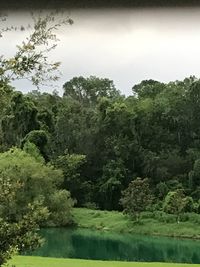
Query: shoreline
pixel 113 221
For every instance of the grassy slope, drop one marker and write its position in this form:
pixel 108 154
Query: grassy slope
pixel 116 221
pixel 26 261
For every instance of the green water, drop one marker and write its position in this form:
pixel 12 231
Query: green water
pixel 91 244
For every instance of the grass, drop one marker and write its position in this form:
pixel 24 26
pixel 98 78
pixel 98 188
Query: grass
pixel 27 261
pixel 118 222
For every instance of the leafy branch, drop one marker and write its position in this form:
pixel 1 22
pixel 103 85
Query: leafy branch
pixel 30 61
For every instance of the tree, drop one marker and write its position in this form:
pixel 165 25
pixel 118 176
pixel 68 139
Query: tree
pixel 175 202
pixel 74 128
pixel 194 175
pixel 136 198
pixel 118 149
pixel 88 90
pixel 27 186
pixel 189 204
pixel 33 150
pixel 47 105
pixel 148 88
pixel 111 184
pixel 71 165
pixel 19 119
pixel 6 92
pixel 18 235
pixel 40 183
pixel 30 61
pixel 39 138
pixel 162 189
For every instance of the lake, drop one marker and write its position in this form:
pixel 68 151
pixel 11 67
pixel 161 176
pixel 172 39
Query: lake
pixel 99 245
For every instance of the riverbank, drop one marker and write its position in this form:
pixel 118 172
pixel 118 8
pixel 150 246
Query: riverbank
pixel 27 261
pixel 118 222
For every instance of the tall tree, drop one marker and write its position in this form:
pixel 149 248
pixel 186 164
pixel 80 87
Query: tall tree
pixel 20 118
pixel 21 213
pixel 88 90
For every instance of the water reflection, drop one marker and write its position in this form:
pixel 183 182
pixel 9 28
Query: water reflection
pixel 87 244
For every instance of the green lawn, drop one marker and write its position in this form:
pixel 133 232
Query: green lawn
pixel 26 261
pixel 116 221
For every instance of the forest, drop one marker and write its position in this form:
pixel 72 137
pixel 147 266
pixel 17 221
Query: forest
pixel 102 140
pixel 91 147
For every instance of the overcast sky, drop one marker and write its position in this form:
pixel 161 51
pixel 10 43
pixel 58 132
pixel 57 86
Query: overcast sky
pixel 125 45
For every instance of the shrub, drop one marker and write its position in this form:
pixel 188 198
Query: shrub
pixel 136 198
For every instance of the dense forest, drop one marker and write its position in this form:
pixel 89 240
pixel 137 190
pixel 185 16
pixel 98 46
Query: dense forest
pixel 92 147
pixel 102 140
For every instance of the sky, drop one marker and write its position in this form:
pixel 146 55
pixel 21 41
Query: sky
pixel 124 45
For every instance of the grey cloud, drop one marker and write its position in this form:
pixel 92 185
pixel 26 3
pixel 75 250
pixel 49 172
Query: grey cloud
pixel 124 45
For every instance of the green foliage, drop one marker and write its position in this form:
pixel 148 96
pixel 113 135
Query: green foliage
pixel 18 234
pixel 189 204
pixel 19 119
pixel 74 129
pixel 162 189
pixel 88 90
pixel 151 223
pixel 137 197
pixel 29 196
pixel 110 138
pixel 28 188
pixel 6 92
pixel 40 183
pixel 30 61
pixel 175 202
pixel 71 165
pixel 32 150
pixel 194 175
pixel 60 207
pixel 39 138
pixel 111 184
pixel 148 88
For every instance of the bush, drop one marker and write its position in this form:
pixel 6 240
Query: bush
pixel 60 204
pixel 191 217
pixel 164 217
pixel 155 206
pixel 147 215
pixel 185 217
pixel 189 204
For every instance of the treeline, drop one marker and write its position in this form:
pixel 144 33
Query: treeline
pixel 102 140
